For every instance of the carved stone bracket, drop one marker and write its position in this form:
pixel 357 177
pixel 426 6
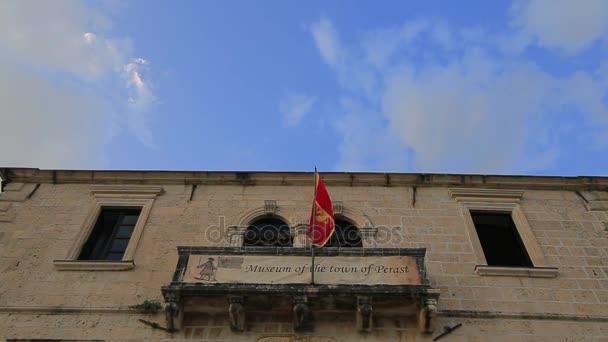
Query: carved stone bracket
pixel 13 193
pixel 428 311
pixel 236 312
pixel 17 192
pixel 174 313
pixel 364 314
pixel 301 313
pixel 270 207
pixel 338 208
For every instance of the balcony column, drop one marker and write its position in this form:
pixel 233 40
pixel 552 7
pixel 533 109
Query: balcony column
pixel 368 236
pixel 299 235
pixel 236 235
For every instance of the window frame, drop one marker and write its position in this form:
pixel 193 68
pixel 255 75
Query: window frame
pixel 116 197
pixel 106 249
pixel 261 219
pixel 501 201
pixel 524 257
pixel 335 238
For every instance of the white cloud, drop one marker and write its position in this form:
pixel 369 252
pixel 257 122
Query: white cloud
pixel 141 98
pixel 563 24
pixel 327 41
pixel 44 124
pixel 449 101
pixel 294 107
pixel 468 119
pixel 366 144
pixel 380 45
pixel 57 36
pixel 66 83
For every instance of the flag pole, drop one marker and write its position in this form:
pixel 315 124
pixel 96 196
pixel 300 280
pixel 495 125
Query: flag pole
pixel 314 220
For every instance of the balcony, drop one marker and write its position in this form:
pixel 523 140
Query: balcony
pixel 242 281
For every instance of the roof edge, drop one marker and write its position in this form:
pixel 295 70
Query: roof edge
pixel 34 175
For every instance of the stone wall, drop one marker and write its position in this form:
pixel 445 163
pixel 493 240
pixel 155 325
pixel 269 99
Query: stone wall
pixel 337 328
pixel 38 224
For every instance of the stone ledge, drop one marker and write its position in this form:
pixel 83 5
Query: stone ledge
pixel 547 316
pixel 533 272
pixel 178 289
pixel 595 200
pixel 597 205
pixel 485 194
pixel 17 192
pixel 325 251
pixel 89 265
pixel 109 190
pixel 54 310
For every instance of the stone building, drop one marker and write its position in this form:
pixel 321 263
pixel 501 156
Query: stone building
pixel 222 256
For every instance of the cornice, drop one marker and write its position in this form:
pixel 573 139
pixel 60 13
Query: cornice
pixel 86 265
pixel 37 176
pixel 471 194
pixel 110 190
pixel 595 200
pixel 532 272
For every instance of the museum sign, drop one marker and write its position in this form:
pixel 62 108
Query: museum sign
pixel 251 277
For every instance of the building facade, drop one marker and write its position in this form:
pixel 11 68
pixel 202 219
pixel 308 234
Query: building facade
pixel 223 256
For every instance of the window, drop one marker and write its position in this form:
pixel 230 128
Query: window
pixel 345 234
pixel 108 237
pixel 111 234
pixel 269 232
pixel 500 241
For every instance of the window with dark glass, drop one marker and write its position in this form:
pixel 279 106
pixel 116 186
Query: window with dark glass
pixel 270 232
pixel 345 234
pixel 500 241
pixel 110 235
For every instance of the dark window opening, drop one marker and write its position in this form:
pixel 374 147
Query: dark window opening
pixel 345 234
pixel 111 234
pixel 269 232
pixel 500 241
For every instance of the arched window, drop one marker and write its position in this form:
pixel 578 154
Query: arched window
pixel 346 234
pixel 269 232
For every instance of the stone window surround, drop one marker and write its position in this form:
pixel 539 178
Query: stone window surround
pixel 111 196
pixel 236 232
pixel 506 201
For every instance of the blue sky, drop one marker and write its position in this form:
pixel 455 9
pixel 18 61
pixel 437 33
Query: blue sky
pixel 508 87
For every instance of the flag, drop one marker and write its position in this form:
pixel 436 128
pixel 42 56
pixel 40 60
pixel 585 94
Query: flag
pixel 322 215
